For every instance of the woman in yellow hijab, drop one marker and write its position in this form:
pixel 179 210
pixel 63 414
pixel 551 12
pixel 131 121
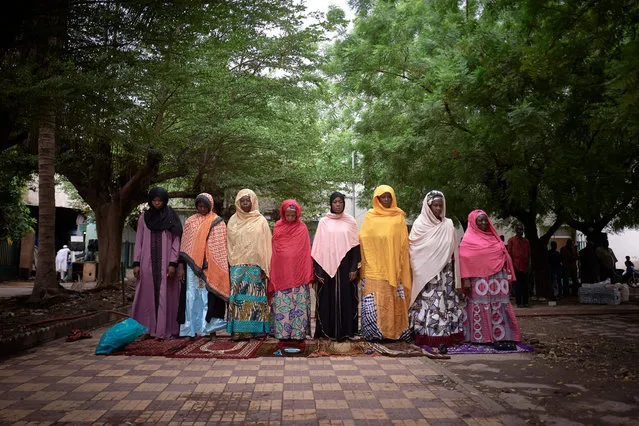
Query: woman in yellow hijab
pixel 385 271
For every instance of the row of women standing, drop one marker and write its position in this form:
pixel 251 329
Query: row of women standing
pixel 413 285
pixel 210 276
pixel 239 278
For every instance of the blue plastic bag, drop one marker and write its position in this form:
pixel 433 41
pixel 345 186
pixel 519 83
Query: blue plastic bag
pixel 120 335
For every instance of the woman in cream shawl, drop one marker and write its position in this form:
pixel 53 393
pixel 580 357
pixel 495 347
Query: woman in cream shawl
pixel 435 315
pixel 385 271
pixel 249 253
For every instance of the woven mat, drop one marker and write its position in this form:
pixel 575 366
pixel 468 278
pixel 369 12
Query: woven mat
pixel 204 347
pixel 469 348
pixel 397 349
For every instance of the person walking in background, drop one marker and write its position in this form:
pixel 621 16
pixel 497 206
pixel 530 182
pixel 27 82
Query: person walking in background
pixel 203 271
pixel 519 250
pixel 486 268
pixel 569 258
pixel 63 259
pixel 386 275
pixel 554 268
pixel 249 252
pixel 291 275
pixel 336 259
pixel 157 246
pixel 435 316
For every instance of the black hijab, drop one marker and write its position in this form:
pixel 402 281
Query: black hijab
pixel 335 195
pixel 163 219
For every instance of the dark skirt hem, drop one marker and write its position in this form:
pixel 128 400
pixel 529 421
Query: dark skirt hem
pixel 433 341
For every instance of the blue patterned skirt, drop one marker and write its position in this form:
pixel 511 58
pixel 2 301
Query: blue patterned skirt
pixel 248 313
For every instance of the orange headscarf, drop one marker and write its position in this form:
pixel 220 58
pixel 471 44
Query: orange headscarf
pixel 202 241
pixel 384 243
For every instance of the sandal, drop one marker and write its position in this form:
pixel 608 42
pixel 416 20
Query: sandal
pixel 77 334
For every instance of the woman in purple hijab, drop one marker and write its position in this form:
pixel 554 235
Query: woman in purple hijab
pixel 157 245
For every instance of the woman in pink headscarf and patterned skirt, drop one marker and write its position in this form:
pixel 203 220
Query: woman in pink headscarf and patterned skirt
pixel 291 275
pixel 487 270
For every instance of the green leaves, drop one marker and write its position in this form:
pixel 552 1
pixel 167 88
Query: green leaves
pixel 507 106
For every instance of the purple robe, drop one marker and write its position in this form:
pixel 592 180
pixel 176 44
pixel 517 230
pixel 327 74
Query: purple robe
pixel 156 296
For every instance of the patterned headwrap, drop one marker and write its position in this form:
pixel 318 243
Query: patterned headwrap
pixel 434 195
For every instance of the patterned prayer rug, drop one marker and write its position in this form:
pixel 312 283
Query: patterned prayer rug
pixel 469 348
pixel 204 347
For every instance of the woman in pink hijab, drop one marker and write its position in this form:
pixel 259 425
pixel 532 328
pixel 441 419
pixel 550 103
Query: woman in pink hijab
pixel 486 269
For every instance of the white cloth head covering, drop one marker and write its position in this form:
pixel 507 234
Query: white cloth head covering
pixel 432 243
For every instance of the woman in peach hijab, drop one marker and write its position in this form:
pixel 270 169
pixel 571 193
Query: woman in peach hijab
pixel 386 277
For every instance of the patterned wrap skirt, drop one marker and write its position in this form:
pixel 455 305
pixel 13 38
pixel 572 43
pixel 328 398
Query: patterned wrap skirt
pixel 384 310
pixel 489 315
pixel 291 313
pixel 436 316
pixel 248 313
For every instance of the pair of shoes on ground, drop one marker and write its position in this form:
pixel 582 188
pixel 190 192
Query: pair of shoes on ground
pixel 78 334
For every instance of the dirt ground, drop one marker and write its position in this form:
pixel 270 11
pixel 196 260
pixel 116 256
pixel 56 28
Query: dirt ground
pixel 17 316
pixel 583 371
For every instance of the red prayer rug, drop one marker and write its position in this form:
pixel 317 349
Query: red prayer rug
pixel 225 349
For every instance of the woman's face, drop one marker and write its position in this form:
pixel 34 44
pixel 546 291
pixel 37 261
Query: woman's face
pixel 290 215
pixel 482 222
pixel 202 208
pixel 157 203
pixel 386 199
pixel 245 204
pixel 437 207
pixel 337 205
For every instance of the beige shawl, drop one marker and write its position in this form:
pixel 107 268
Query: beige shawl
pixel 249 236
pixel 432 243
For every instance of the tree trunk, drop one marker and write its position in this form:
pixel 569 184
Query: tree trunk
pixel 46 282
pixel 110 224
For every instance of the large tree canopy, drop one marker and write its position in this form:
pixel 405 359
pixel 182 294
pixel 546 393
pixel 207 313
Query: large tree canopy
pixel 522 108
pixel 213 97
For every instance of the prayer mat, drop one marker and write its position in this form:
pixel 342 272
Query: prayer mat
pixel 286 349
pixel 325 347
pixel 397 349
pixel 204 347
pixel 469 348
pixel 153 347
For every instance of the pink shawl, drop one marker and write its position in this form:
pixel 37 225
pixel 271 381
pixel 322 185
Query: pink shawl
pixel 336 235
pixel 291 263
pixel 483 254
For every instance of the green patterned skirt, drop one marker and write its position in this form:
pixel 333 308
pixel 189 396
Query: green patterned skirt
pixel 248 313
pixel 292 313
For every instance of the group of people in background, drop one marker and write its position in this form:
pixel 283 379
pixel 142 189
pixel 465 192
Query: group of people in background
pixel 380 282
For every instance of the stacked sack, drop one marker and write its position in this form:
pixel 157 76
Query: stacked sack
pixel 603 293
